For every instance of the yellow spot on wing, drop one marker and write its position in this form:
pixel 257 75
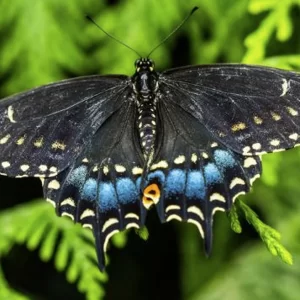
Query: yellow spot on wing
pixel 51 201
pixel 275 142
pixel 132 216
pixel 109 223
pixel 95 168
pixel 216 209
pixel 105 170
pixel 217 196
pixel 196 210
pixel 238 194
pixel 256 146
pixel 194 158
pixel 54 184
pixel 285 87
pixel 21 140
pixel 10 114
pixel 24 168
pixel 120 168
pixel 43 168
pixel 107 239
pixel 257 120
pixel 132 225
pixel 249 161
pixel 236 181
pixel 204 155
pixel 275 116
pixel 179 160
pixel 254 178
pixel 137 171
pixel 68 201
pixel 87 213
pixel 160 165
pixel 238 126
pixel 172 207
pixel 86 225
pixel 5 164
pixel 39 142
pixel 57 145
pixel 68 215
pixel 246 150
pixel 292 111
pixel 173 217
pixel 5 139
pixel 198 226
pixel 294 136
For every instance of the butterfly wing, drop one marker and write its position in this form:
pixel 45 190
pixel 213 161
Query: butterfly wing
pixel 193 175
pixel 250 109
pixel 101 189
pixel 45 129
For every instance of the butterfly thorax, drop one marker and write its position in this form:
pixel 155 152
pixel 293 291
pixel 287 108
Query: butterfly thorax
pixel 145 87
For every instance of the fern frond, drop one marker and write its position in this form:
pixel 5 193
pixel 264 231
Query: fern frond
pixel 277 21
pixel 269 235
pixel 36 225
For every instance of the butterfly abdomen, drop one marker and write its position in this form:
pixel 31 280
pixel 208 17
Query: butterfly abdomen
pixel 146 124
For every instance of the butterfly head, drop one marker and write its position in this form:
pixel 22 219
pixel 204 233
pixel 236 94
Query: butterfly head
pixel 145 79
pixel 144 64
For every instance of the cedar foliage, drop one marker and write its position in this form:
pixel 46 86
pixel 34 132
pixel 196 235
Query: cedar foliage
pixel 45 41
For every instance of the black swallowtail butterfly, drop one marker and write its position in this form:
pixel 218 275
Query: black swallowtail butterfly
pixel 187 141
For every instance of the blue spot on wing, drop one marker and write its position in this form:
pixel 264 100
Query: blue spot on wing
pixel 195 185
pixel 159 175
pixel 175 183
pixel 224 159
pixel 107 196
pixel 89 191
pixel 127 191
pixel 138 183
pixel 78 176
pixel 212 174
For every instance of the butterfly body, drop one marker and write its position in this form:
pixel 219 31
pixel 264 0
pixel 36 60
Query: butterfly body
pixel 145 87
pixel 187 141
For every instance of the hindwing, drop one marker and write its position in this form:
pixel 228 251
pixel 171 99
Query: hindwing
pixel 193 174
pixel 102 188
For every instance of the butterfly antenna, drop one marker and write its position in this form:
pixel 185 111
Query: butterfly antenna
pixel 111 36
pixel 174 30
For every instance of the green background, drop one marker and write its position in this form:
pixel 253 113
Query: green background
pixel 45 257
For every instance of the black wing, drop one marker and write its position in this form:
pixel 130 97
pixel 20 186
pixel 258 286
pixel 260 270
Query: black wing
pixel 45 129
pixel 193 175
pixel 250 109
pixel 101 189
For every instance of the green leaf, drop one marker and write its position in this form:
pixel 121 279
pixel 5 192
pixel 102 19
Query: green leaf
pixel 270 236
pixel 36 225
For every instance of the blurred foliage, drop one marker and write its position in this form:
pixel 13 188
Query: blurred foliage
pixel 44 41
pixel 36 225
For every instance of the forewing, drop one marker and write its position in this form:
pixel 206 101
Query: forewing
pixel 45 129
pixel 101 189
pixel 193 175
pixel 251 109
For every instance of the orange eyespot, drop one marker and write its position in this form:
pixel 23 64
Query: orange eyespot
pixel 151 195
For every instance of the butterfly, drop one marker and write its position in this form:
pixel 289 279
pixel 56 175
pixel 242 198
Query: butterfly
pixel 186 141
